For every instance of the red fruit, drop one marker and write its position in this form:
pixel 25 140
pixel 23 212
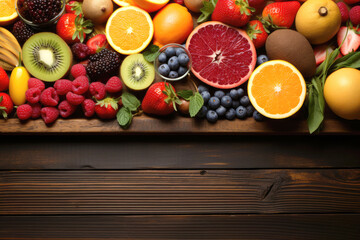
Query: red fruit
pixel 80 85
pixel 181 2
pixel 97 43
pixel 73 7
pixel 36 110
pixel 4 80
pixel 66 109
pixel 256 3
pixel 322 50
pixel 350 2
pixel 78 70
pixel 68 26
pixel 80 51
pixel 36 83
pixel 33 95
pixel 106 108
pixel 160 99
pixel 88 107
pixel 74 99
pixel 281 14
pixel 49 114
pixel 63 86
pixel 24 112
pixel 6 105
pixel 113 85
pixel 97 90
pixel 257 33
pixel 344 11
pixel 49 97
pixel 227 54
pixel 351 42
pixel 355 15
pixel 234 12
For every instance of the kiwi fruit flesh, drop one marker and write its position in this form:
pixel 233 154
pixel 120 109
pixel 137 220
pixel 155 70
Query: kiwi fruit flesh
pixel 47 56
pixel 136 72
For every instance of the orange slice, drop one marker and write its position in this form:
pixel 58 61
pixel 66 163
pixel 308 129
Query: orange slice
pixel 276 89
pixel 8 13
pixel 129 30
pixel 124 3
pixel 151 5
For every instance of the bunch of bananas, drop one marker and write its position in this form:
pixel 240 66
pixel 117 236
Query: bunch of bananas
pixel 9 50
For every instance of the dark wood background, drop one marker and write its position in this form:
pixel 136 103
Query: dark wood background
pixel 179 187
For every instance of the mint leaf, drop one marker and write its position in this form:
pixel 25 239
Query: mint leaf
pixel 185 94
pixel 124 117
pixel 151 53
pixel 196 103
pixel 207 10
pixel 130 101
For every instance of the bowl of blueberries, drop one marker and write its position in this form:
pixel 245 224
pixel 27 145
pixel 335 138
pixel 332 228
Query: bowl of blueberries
pixel 173 62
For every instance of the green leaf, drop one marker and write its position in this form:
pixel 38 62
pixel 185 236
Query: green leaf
pixel 196 103
pixel 185 94
pixel 130 101
pixel 316 105
pixel 351 60
pixel 124 117
pixel 1 98
pixel 207 10
pixel 151 53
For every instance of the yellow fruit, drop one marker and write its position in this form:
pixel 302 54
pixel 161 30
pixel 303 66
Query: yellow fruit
pixel 124 3
pixel 276 89
pixel 151 5
pixel 18 85
pixel 194 5
pixel 8 13
pixel 129 30
pixel 342 93
pixel 318 20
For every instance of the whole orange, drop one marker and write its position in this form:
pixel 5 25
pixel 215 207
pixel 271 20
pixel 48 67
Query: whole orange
pixel 172 24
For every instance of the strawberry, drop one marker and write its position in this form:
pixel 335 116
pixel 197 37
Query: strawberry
pixel 233 12
pixel 73 28
pixel 257 33
pixel 4 80
pixel 96 43
pixel 74 7
pixel 6 105
pixel 160 99
pixel 348 39
pixel 321 51
pixel 280 14
pixel 107 108
pixel 256 3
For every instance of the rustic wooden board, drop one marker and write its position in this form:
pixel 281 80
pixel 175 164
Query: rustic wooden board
pixel 264 227
pixel 180 191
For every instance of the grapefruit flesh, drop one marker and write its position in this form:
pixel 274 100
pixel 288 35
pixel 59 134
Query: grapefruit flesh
pixel 222 56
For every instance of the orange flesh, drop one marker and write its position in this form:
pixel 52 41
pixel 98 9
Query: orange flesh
pixel 277 89
pixel 7 8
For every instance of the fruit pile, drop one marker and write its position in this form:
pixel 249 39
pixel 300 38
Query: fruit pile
pixel 254 58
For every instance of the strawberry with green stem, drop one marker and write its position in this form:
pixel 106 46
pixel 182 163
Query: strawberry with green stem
pixel 257 33
pixel 72 28
pixel 279 14
pixel 74 7
pixel 6 105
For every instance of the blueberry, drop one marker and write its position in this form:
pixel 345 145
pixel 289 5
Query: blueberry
pixel 234 94
pixel 179 51
pixel 226 101
pixel 245 101
pixel 170 51
pixel 212 116
pixel 235 104
pixel 164 69
pixel 221 111
pixel 173 74
pixel 173 63
pixel 241 92
pixel 162 58
pixel 202 112
pixel 183 59
pixel 241 112
pixel 257 116
pixel 205 95
pixel 261 59
pixel 249 110
pixel 202 88
pixel 230 114
pixel 214 103
pixel 219 94
pixel 182 70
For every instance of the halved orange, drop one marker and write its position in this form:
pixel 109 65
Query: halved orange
pixel 124 3
pixel 129 30
pixel 151 5
pixel 276 89
pixel 8 13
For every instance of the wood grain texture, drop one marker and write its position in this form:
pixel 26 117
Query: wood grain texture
pixel 180 192
pixel 261 227
pixel 181 152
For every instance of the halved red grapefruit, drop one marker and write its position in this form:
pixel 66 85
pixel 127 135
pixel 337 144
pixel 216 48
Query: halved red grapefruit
pixel 222 56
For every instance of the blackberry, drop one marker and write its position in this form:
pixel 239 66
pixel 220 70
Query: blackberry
pixel 39 11
pixel 80 51
pixel 22 32
pixel 103 65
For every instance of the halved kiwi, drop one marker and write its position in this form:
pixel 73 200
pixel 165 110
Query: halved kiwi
pixel 136 72
pixel 47 56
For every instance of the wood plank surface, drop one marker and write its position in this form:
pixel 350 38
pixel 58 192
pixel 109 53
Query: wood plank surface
pixel 180 191
pixel 259 226
pixel 180 152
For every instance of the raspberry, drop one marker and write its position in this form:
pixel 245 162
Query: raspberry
pixel 113 85
pixel 78 70
pixel 49 97
pixel 80 85
pixel 80 51
pixel 24 112
pixel 344 11
pixel 36 83
pixel 74 99
pixel 88 107
pixel 66 109
pixel 355 15
pixel 63 86
pixel 49 114
pixel 33 95
pixel 36 110
pixel 97 90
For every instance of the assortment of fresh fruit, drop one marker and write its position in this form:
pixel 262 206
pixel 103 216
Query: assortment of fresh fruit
pixel 253 58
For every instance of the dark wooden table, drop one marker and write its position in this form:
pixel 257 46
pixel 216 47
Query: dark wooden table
pixel 260 183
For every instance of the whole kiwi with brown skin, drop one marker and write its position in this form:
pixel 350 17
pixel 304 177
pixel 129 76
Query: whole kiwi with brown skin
pixel 98 11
